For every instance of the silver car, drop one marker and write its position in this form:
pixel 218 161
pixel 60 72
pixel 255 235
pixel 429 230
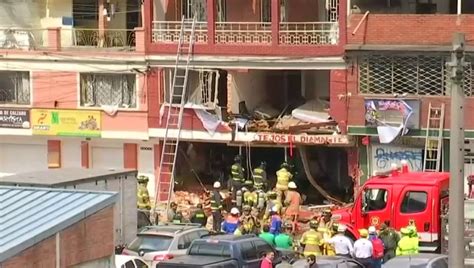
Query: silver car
pixel 163 242
pixel 422 260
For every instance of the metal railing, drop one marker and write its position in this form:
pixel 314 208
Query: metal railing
pixel 309 33
pixel 23 38
pixel 108 38
pixel 243 33
pixel 168 32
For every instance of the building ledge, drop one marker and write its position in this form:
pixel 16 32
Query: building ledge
pixel 407 48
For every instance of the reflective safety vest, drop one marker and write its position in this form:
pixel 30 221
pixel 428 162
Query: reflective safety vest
pixel 143 198
pixel 312 241
pixel 237 172
pixel 258 178
pixel 250 197
pixel 216 202
pixel 283 178
pixel 406 246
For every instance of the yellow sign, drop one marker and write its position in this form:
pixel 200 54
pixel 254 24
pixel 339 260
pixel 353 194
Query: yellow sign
pixel 82 123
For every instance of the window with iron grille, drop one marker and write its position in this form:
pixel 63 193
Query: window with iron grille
pixel 15 88
pixel 413 75
pixel 108 89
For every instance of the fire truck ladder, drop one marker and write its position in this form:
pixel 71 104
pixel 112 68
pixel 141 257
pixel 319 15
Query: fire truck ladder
pixel 434 139
pixel 174 114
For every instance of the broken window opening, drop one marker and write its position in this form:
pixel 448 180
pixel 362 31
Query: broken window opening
pixel 202 88
pixel 194 8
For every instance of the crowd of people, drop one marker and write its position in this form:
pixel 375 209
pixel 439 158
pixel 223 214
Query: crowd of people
pixel 272 215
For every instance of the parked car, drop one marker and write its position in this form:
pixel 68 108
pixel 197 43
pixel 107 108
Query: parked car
pixel 124 261
pixel 331 262
pixel 224 251
pixel 163 242
pixel 423 260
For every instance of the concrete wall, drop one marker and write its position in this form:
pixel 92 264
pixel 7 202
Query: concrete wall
pixel 317 84
pixel 88 240
pixel 246 86
pixel 125 210
pixel 70 153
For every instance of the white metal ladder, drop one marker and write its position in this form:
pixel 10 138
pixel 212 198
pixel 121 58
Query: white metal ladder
pixel 174 114
pixel 434 138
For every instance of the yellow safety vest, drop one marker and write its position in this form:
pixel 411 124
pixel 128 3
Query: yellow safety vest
pixel 237 172
pixel 283 177
pixel 405 246
pixel 312 240
pixel 258 177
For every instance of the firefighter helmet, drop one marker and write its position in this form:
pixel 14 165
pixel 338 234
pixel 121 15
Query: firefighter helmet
pixel 217 184
pixel 292 185
pixel 246 208
pixel 313 224
pixel 237 159
pixel 263 164
pixel 284 165
pixel 363 232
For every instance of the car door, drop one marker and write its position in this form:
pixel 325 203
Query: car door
pixel 415 202
pixel 249 255
pixel 375 206
pixel 140 264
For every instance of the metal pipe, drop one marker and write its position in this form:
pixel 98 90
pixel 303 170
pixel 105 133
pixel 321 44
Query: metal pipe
pixel 360 22
pixel 459 7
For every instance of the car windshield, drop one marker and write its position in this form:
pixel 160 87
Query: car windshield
pixel 149 243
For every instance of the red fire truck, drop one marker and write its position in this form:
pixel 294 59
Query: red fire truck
pixel 399 197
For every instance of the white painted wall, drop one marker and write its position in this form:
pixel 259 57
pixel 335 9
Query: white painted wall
pixel 246 86
pixel 146 165
pixel 22 155
pixel 107 155
pixel 70 153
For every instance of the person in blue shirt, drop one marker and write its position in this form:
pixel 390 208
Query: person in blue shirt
pixel 232 221
pixel 276 222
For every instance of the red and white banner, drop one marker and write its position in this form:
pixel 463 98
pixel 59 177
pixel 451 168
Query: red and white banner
pixel 341 140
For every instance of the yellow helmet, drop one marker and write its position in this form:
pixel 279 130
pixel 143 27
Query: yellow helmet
pixel 313 224
pixel 405 231
pixel 363 232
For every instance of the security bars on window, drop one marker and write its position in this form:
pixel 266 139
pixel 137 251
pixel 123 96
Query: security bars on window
pixel 413 75
pixel 108 89
pixel 14 87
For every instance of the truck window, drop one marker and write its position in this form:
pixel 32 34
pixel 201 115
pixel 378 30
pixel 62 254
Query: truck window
pixel 374 199
pixel 414 202
pixel 262 247
pixel 217 250
pixel 248 251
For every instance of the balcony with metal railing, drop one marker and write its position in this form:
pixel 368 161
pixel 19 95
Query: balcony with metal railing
pixel 247 27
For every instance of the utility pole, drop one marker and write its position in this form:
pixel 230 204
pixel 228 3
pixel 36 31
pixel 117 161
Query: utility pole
pixel 456 163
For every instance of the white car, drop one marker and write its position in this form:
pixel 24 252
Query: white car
pixel 124 261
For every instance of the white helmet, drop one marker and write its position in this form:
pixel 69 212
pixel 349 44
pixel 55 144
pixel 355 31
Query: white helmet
pixel 217 184
pixel 244 189
pixel 292 185
pixel 372 230
pixel 234 211
pixel 274 209
pixel 341 228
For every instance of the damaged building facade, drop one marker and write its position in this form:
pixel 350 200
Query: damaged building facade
pixel 260 85
pixel 398 82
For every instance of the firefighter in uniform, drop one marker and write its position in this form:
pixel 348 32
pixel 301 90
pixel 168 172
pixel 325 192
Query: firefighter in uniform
pixel 237 176
pixel 312 240
pixel 249 222
pixel 143 197
pixel 250 197
pixel 414 238
pixel 292 201
pixel 283 178
pixel 216 207
pixel 272 202
pixel 199 216
pixel 260 177
pixel 327 233
pixel 405 245
pixel 326 221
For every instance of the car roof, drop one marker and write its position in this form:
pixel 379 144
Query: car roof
pixel 416 259
pixel 168 229
pixel 421 178
pixel 230 237
pixel 122 259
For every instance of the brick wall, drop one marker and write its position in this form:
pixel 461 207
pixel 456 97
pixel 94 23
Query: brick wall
pixel 409 29
pixel 42 255
pixel 87 240
pixel 355 103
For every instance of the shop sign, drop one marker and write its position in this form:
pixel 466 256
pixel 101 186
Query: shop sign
pixel 14 118
pixel 303 139
pixel 81 123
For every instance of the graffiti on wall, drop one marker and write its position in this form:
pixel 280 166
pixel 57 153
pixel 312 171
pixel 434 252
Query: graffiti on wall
pixel 383 157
